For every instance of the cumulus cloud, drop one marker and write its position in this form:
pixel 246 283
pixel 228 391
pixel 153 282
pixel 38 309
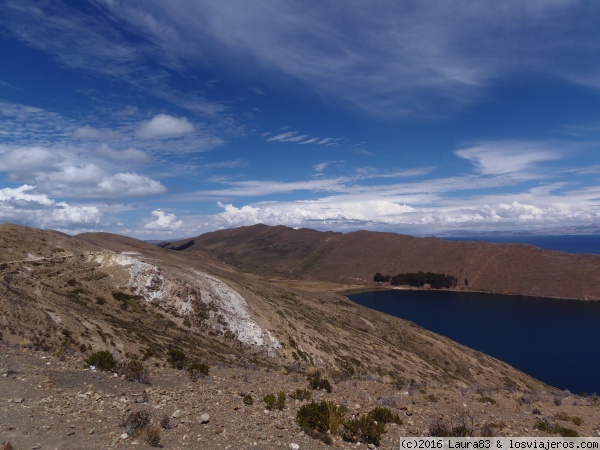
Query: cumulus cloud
pixel 164 222
pixel 21 205
pixel 90 181
pixel 334 213
pixel 22 161
pixel 164 126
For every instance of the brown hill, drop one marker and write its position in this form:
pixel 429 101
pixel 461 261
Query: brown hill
pixel 97 291
pixel 355 257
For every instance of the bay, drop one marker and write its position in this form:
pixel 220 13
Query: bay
pixel 553 340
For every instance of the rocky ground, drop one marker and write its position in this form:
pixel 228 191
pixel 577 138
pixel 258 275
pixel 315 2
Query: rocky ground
pixel 51 402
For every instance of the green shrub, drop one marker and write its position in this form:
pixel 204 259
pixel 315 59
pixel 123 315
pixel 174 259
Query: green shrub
pixel 363 429
pixel 248 400
pixel 314 416
pixel 135 370
pixel 385 415
pixel 280 403
pixel 102 360
pixel 269 400
pixel 577 420
pixel 197 370
pixel 176 358
pixel 487 399
pixel 318 383
pixel 553 428
pixel 301 394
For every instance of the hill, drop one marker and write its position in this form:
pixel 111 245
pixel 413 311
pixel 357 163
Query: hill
pixel 305 254
pixel 63 299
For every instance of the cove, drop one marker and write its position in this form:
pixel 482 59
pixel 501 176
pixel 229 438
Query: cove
pixel 553 340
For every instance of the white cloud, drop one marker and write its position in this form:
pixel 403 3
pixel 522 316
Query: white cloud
pixel 130 154
pixel 164 222
pixel 505 157
pixel 21 161
pixel 22 205
pixel 94 134
pixel 165 126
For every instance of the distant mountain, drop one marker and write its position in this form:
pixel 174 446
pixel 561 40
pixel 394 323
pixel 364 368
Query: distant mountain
pixel 306 254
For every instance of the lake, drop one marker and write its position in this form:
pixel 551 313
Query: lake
pixel 553 340
pixel 580 243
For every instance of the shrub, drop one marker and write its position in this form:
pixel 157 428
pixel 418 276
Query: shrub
pixel 176 358
pixel 363 429
pixel 153 435
pixel 248 400
pixel 440 428
pixel 280 403
pixel 197 370
pixel 269 400
pixel 336 416
pixel 487 399
pixel 318 383
pixel 301 394
pixel 165 422
pixel 553 428
pixel 385 415
pixel 314 416
pixel 102 360
pixel 577 420
pixel 136 422
pixel 135 370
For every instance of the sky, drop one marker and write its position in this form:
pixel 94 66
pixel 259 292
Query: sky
pixel 167 119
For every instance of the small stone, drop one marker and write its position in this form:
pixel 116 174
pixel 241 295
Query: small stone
pixel 124 436
pixel 92 431
pixel 301 434
pixel 6 446
pixel 204 418
pixel 294 446
pixel 19 400
pixel 176 414
pixel 371 446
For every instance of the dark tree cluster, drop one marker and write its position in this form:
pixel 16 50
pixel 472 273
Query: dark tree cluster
pixel 379 278
pixel 419 279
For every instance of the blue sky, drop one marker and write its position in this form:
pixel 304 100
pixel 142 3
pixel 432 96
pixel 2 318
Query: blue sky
pixel 161 119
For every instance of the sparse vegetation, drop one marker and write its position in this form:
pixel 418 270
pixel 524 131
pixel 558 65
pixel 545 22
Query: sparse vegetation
pixel 176 358
pixel 102 360
pixel 317 382
pixel 152 435
pixel 364 429
pixel 385 415
pixel 135 370
pixel 269 400
pixel 136 422
pixel 248 400
pixel 301 394
pixel 197 370
pixel 553 428
pixel 487 399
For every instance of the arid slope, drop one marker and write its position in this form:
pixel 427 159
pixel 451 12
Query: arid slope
pixel 355 257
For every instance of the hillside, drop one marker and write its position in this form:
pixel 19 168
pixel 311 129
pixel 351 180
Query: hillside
pixel 64 298
pixel 355 257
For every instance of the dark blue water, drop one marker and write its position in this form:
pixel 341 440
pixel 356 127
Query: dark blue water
pixel 553 340
pixel 563 243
